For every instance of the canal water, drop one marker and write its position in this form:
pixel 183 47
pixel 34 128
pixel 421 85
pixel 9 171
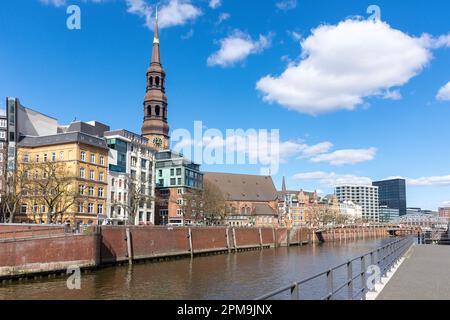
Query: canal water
pixel 243 275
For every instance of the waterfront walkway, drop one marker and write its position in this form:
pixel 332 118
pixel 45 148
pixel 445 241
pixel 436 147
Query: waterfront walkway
pixel 423 275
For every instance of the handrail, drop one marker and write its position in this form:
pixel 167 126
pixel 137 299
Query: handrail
pixel 387 256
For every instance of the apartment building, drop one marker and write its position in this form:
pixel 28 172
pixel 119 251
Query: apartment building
pixel 176 177
pixel 365 196
pixel 130 178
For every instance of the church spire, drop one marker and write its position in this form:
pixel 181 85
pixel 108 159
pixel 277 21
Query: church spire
pixel 283 185
pixel 155 126
pixel 155 52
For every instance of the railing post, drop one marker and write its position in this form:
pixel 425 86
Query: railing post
pixel 350 281
pixel 129 247
pixel 295 292
pixel 260 238
pixel 191 249
pixel 363 277
pixel 330 284
pixel 227 235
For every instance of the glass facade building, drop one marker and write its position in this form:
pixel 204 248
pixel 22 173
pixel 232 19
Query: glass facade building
pixel 392 194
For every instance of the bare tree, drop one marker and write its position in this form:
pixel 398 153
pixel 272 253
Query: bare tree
pixel 50 183
pixel 207 204
pixel 215 206
pixel 138 195
pixel 191 204
pixel 13 190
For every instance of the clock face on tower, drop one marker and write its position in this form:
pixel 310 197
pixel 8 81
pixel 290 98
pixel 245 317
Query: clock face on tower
pixel 157 142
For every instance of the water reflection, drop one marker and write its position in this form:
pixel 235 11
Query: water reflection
pixel 235 276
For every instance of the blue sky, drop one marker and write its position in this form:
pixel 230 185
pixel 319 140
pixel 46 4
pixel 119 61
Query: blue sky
pixel 348 109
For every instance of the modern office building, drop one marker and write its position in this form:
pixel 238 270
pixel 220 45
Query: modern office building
pixel 175 176
pixel 392 193
pixel 365 196
pixel 388 214
pixel 130 178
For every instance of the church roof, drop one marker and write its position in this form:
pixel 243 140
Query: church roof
pixel 243 187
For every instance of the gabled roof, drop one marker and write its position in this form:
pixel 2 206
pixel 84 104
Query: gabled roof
pixel 263 209
pixel 243 187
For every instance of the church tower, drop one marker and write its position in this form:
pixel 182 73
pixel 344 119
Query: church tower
pixel 155 126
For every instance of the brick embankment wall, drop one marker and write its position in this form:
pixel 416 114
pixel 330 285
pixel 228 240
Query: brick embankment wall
pixel 44 255
pixel 53 252
pixel 348 234
pixel 153 242
pixel 20 231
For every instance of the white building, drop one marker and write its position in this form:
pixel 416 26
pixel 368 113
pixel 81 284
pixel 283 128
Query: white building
pixel 131 161
pixel 365 196
pixel 351 210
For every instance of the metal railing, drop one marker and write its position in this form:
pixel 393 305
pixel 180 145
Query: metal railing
pixel 384 257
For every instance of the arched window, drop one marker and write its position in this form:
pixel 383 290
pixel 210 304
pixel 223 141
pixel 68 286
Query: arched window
pixel 157 111
pixel 151 81
pixel 149 111
pixel 157 81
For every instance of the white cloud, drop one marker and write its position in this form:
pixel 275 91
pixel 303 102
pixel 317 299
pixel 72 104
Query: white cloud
pixel 222 17
pixel 215 3
pixel 444 93
pixel 429 181
pixel 172 13
pixel 332 179
pixel 392 95
pixel 431 42
pixel 60 3
pixel 56 3
pixel 295 35
pixel 446 203
pixel 188 35
pixel 342 64
pixel 286 4
pixel 176 13
pixel 237 47
pixel 348 156
pixel 319 148
pixel 142 9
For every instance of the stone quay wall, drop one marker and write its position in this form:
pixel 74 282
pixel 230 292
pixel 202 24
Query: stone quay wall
pixel 26 249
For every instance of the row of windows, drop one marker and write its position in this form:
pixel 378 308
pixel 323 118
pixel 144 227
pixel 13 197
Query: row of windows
pixel 90 208
pixel 156 82
pixel 92 158
pixel 157 111
pixel 101 175
pixel 45 157
pixel 134 161
pixel 43 208
pixel 119 196
pixel 90 191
